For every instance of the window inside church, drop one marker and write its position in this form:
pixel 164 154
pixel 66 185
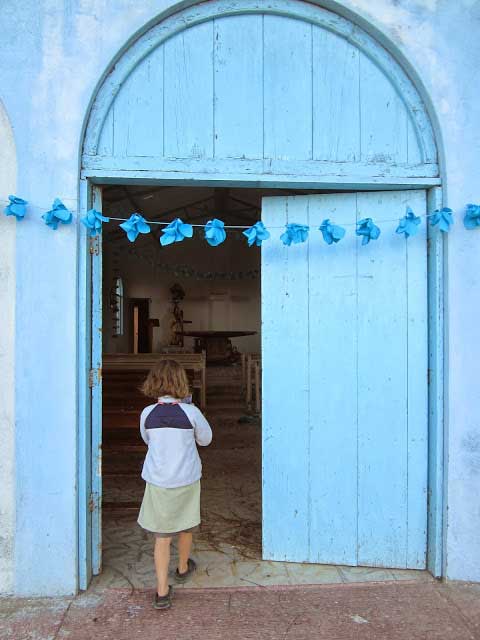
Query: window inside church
pixel 116 305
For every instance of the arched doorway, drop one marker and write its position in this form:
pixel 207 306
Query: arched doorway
pixel 295 96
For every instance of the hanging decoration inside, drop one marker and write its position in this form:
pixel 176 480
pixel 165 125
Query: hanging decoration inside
pixel 256 234
pixel 442 217
pixel 134 225
pixel 93 221
pixel 215 232
pixel 57 214
pixel 176 231
pixel 186 271
pixel 331 232
pixel 294 234
pixel 409 224
pixel 17 207
pixel 368 230
pixel 472 216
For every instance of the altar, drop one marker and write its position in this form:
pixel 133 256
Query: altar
pixel 216 344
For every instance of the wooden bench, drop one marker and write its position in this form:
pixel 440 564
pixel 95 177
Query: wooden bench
pixel 257 385
pixel 121 369
pixel 251 368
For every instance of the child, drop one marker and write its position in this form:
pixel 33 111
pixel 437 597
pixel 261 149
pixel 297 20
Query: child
pixel 172 470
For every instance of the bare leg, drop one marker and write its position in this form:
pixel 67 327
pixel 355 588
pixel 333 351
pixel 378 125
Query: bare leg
pixel 162 560
pixel 184 548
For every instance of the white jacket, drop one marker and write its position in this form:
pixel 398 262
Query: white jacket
pixel 172 430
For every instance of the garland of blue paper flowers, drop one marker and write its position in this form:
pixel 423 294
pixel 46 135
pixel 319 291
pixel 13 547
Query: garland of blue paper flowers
pixel 215 234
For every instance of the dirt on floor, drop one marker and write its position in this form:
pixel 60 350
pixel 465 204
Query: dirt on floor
pixel 400 611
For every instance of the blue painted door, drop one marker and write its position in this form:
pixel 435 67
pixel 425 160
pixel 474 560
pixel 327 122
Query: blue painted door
pixel 95 384
pixel 344 339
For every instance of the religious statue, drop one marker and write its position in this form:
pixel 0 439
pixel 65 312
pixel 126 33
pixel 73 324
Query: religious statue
pixel 177 294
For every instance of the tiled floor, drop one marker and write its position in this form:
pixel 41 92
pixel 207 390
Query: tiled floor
pixel 228 545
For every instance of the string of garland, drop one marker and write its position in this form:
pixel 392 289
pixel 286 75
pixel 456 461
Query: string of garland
pixel 186 271
pixel 215 230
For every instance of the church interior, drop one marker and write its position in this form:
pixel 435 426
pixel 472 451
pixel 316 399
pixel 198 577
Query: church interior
pixel 154 298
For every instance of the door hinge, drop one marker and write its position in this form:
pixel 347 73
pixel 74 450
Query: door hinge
pixel 94 246
pixel 94 376
pixel 91 503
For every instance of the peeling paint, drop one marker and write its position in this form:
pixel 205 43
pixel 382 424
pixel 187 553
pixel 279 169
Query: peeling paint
pixel 471 451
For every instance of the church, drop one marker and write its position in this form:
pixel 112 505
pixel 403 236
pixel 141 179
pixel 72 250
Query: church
pixel 283 197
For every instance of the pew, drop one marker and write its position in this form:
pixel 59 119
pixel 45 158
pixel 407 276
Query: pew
pixel 252 378
pixel 124 372
pixel 257 382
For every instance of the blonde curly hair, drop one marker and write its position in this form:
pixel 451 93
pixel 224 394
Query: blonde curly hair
pixel 166 378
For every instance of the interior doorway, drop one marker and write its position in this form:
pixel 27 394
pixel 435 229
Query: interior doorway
pixel 139 324
pixel 183 301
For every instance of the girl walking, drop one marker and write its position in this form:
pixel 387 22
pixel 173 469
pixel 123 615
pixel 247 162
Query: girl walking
pixel 172 469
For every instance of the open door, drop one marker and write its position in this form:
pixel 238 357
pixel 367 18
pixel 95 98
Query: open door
pixel 345 409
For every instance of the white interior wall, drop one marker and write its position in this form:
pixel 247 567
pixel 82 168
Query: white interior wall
pixel 8 177
pixel 211 304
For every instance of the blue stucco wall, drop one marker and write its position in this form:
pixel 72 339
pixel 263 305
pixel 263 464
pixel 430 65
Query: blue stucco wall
pixel 52 56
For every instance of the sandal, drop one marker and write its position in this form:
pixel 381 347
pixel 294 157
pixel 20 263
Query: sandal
pixel 191 568
pixel 163 602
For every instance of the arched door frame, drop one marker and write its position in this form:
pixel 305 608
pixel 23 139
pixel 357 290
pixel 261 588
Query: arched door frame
pixel 93 173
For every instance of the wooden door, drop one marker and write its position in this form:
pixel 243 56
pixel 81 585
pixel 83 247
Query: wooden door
pixel 344 339
pixel 139 326
pixel 95 383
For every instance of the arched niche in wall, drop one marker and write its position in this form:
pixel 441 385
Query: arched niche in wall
pixel 246 89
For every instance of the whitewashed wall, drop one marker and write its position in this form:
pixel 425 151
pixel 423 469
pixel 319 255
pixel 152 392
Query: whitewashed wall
pixel 8 176
pixel 142 280
pixel 47 78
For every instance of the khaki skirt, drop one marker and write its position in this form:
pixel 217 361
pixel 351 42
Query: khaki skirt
pixel 169 511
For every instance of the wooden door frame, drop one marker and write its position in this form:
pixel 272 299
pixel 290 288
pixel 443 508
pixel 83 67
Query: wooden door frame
pixel 131 302
pixel 88 466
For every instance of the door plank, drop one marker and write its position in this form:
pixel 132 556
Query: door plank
pixel 239 87
pixel 417 292
pixel 382 388
pixel 97 396
pixel 189 93
pixel 336 98
pixel 288 88
pixel 383 116
pixel 138 121
pixel 285 387
pixel 333 385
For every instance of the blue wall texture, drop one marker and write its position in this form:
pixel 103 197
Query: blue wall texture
pixel 52 58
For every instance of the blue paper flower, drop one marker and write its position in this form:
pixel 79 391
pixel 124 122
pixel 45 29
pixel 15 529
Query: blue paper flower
pixel 58 213
pixel 331 232
pixel 368 230
pixel 176 231
pixel 134 225
pixel 472 216
pixel 214 232
pixel 409 224
pixel 17 207
pixel 294 233
pixel 256 234
pixel 93 221
pixel 442 217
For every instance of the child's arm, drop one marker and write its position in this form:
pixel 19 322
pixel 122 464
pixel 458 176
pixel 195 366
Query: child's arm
pixel 203 431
